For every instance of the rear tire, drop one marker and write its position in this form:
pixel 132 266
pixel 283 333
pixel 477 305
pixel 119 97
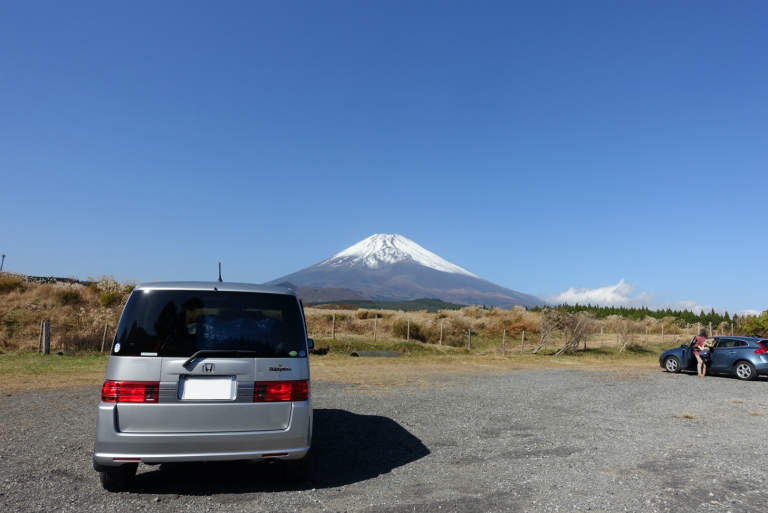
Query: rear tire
pixel 119 479
pixel 672 364
pixel 744 371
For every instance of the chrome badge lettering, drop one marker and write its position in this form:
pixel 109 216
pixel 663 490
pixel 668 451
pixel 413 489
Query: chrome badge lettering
pixel 280 368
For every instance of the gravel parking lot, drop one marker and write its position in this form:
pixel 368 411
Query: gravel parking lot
pixel 554 440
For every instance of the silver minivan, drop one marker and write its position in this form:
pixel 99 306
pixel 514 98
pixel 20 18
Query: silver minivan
pixel 205 371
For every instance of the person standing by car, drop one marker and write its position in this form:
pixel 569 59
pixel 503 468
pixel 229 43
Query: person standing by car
pixel 698 347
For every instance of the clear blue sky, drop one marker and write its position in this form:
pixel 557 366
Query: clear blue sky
pixel 542 145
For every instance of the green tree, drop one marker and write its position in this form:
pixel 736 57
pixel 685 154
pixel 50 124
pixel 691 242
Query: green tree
pixel 755 325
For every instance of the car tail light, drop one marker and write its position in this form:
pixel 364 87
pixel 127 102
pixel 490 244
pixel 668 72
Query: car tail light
pixel 130 391
pixel 762 350
pixel 280 391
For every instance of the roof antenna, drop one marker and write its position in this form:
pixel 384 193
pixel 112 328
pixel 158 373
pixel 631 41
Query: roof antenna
pixel 219 272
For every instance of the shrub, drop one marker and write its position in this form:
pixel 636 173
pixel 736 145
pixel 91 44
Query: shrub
pixel 513 329
pixel 69 297
pixel 401 329
pixel 11 283
pixel 129 284
pixel 14 322
pixel 755 326
pixel 339 317
pixel 81 341
pixel 110 298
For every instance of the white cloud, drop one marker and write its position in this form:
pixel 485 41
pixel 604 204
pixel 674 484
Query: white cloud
pixel 612 295
pixel 621 295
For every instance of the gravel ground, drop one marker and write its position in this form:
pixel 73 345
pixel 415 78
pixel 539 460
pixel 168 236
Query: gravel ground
pixel 555 440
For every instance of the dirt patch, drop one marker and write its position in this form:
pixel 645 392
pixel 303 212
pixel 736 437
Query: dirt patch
pixel 433 372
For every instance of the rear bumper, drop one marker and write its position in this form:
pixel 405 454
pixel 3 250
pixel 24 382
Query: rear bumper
pixel 113 448
pixel 761 367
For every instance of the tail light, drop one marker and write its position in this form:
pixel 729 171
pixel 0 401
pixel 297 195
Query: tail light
pixel 130 391
pixel 762 350
pixel 280 391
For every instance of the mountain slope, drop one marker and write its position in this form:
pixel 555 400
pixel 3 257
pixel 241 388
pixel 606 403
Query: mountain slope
pixel 392 267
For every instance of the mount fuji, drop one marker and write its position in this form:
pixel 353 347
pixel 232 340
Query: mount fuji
pixel 391 267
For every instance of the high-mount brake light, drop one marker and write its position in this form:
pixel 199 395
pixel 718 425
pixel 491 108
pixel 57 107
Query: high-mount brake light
pixel 130 391
pixel 280 391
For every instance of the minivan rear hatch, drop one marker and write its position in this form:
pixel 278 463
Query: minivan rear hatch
pixel 209 352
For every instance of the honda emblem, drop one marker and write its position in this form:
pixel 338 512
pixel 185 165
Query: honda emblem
pixel 208 367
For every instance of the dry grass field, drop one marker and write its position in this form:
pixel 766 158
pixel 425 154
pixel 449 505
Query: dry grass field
pixel 84 316
pixel 434 348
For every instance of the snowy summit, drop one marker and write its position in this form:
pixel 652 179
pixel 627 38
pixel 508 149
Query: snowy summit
pixel 389 267
pixel 385 249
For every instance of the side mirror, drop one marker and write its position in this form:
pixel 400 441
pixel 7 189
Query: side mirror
pixel 310 343
pixel 683 345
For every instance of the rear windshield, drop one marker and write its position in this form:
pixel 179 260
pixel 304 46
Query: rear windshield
pixel 182 322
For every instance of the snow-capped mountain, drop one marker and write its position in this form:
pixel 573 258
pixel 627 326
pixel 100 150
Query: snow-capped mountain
pixel 392 267
pixel 385 249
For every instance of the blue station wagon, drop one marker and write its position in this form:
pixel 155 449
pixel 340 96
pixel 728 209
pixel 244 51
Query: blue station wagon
pixel 742 357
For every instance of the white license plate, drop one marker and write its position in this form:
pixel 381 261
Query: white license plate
pixel 218 388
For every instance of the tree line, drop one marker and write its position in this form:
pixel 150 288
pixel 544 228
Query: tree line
pixel 638 314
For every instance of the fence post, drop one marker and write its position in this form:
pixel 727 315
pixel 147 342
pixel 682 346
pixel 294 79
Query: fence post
pixel 469 339
pixel 503 342
pixel 104 338
pixel 522 342
pixel 46 338
pixel 40 342
pixel 375 322
pixel 408 333
pixel 441 333
pixel 601 336
pixel 646 335
pixel 710 328
pixel 333 330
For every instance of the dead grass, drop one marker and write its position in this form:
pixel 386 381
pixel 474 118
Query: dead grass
pixel 435 371
pixel 487 327
pixel 687 415
pixel 78 314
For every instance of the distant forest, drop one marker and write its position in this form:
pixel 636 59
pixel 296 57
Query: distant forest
pixel 638 314
pixel 415 305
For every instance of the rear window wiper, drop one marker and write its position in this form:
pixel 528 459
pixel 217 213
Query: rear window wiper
pixel 219 352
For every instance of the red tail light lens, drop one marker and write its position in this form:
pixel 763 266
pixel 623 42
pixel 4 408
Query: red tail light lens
pixel 280 391
pixel 761 351
pixel 300 391
pixel 130 391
